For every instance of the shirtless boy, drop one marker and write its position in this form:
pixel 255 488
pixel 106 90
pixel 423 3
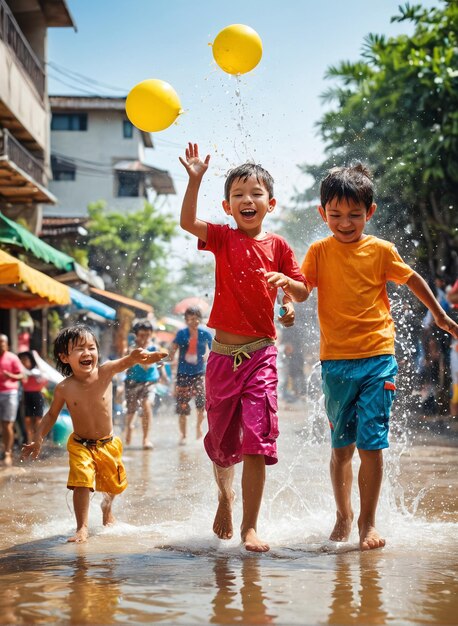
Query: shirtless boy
pixel 94 452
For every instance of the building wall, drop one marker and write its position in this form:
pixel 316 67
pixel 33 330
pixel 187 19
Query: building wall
pixel 20 96
pixel 95 151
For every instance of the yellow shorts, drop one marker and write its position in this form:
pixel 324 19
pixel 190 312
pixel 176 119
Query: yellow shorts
pixel 101 464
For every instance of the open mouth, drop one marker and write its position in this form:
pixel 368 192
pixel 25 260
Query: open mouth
pixel 86 362
pixel 248 212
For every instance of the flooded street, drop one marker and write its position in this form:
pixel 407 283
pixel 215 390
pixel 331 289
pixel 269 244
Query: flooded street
pixel 161 562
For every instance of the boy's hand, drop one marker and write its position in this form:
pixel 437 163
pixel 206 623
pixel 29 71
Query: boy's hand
pixel 288 317
pixel 277 280
pixel 195 167
pixel 30 449
pixel 144 357
pixel 447 324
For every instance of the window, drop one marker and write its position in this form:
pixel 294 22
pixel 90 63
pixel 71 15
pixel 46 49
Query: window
pixel 128 184
pixel 62 169
pixel 69 121
pixel 127 129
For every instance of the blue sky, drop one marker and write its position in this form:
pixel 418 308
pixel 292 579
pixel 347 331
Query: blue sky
pixel 268 115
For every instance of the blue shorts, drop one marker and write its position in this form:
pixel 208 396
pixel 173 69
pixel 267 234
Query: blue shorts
pixel 358 397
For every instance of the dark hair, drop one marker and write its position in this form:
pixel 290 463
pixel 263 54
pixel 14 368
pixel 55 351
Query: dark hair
pixel 72 335
pixel 348 183
pixel 142 325
pixel 244 172
pixel 28 355
pixel 193 310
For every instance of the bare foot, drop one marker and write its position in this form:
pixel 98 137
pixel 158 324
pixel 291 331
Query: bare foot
pixel 8 460
pixel 182 441
pixel 222 526
pixel 342 528
pixel 80 536
pixel 252 542
pixel 147 445
pixel 369 538
pixel 107 516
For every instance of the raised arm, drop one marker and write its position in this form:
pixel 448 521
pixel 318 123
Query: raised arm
pixel 196 168
pixel 48 421
pixel 419 287
pixel 137 356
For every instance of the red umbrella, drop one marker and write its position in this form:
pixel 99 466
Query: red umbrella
pixel 181 306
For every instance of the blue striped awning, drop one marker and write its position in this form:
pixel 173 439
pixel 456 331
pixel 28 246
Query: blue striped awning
pixel 82 301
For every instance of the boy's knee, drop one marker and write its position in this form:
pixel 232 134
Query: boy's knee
pixel 343 455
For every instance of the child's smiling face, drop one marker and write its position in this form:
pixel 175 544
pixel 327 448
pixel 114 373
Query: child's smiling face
pixel 346 219
pixel 83 355
pixel 248 204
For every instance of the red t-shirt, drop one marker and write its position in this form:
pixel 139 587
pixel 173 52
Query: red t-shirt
pixel 243 303
pixel 9 362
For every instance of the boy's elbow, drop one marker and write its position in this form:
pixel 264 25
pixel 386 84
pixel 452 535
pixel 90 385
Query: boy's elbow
pixel 186 225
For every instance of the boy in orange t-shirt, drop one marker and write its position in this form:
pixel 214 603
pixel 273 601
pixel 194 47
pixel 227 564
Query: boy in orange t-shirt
pixel 350 270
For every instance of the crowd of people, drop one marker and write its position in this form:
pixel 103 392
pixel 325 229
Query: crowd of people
pixel 349 269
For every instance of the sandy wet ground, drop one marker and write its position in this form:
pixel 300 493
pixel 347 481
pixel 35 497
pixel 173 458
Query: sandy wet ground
pixel 161 562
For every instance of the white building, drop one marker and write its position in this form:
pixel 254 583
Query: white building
pixel 96 154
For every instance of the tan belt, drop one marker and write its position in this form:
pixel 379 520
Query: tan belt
pixel 238 352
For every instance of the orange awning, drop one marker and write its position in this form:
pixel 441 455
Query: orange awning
pixel 116 297
pixel 15 272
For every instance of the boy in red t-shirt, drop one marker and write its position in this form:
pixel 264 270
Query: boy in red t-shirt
pixel 241 376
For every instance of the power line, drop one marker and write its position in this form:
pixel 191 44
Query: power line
pixel 81 78
pixel 76 88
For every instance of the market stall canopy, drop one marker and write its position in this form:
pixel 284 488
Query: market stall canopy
pixel 83 301
pixel 130 302
pixel 48 292
pixel 13 234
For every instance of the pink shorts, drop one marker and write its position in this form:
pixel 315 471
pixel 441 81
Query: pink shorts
pixel 242 407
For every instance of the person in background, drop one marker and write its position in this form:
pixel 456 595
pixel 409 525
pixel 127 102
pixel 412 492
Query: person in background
pixel 11 372
pixel 139 385
pixel 32 384
pixel 193 343
pixel 452 297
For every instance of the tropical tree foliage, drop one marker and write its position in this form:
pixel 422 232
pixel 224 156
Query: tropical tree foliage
pixel 130 250
pixel 396 109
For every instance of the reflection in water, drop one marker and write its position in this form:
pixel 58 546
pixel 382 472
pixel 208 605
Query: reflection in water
pixel 228 608
pixel 354 603
pixel 94 592
pixel 8 601
pixel 161 562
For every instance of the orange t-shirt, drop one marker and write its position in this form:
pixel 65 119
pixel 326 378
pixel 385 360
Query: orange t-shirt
pixel 353 305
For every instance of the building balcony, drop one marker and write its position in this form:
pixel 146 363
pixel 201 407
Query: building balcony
pixel 12 36
pixel 22 176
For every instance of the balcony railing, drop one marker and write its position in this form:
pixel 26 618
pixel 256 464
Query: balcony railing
pixel 17 154
pixel 13 37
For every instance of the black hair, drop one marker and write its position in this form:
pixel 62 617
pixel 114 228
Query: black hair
pixel 243 172
pixel 28 355
pixel 142 325
pixel 193 310
pixel 72 335
pixel 348 183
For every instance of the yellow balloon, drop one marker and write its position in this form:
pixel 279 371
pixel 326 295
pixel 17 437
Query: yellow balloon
pixel 237 49
pixel 152 105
